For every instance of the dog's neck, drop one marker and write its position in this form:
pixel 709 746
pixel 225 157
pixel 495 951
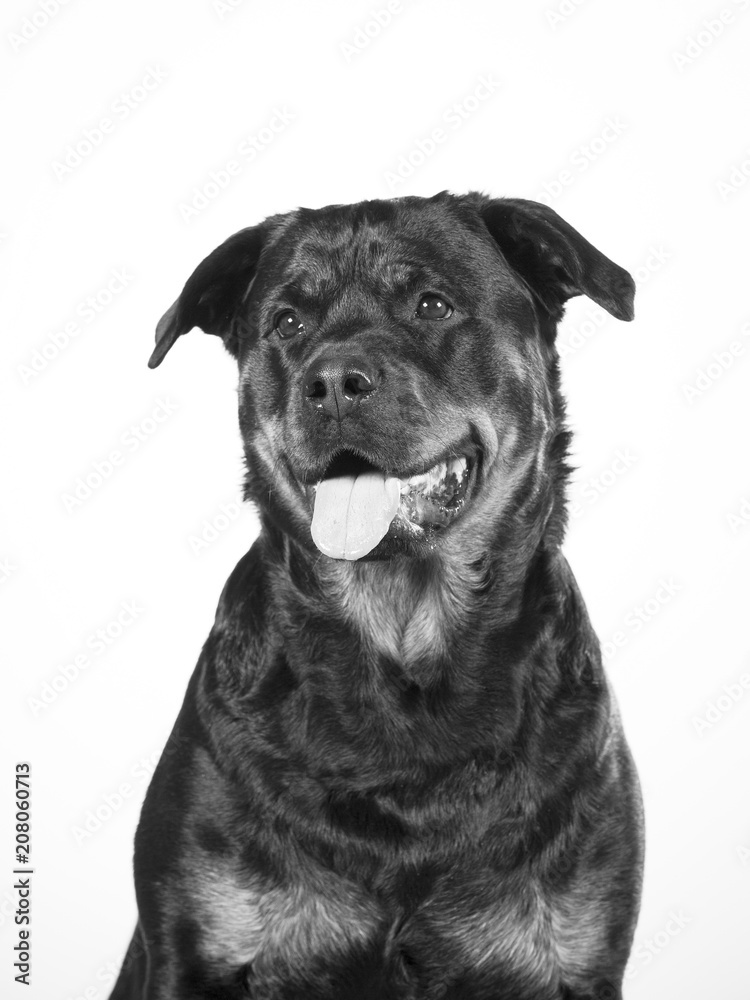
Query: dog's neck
pixel 418 614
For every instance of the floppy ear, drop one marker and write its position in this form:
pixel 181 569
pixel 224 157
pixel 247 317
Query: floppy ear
pixel 212 293
pixel 554 260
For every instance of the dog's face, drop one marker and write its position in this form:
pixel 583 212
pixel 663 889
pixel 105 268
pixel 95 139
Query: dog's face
pixel 398 381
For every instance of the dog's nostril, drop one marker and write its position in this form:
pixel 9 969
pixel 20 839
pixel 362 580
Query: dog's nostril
pixel 315 389
pixel 357 383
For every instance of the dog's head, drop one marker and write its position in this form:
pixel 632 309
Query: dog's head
pixel 398 374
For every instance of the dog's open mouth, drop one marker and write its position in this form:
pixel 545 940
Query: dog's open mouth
pixel 355 503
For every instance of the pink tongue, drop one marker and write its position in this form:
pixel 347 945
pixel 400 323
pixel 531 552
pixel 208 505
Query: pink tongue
pixel 352 513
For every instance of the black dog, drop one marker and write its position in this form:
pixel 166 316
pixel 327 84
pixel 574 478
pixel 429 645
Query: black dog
pixel 398 771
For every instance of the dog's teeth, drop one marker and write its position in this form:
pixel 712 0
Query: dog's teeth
pixel 432 480
pixel 457 468
pixel 420 481
pixel 437 475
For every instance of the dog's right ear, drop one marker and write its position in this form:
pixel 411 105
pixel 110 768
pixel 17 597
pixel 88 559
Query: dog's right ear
pixel 554 260
pixel 212 293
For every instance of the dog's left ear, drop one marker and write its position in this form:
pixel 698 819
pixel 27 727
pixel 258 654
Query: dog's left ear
pixel 212 293
pixel 554 260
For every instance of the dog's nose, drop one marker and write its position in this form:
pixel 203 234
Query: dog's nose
pixel 335 383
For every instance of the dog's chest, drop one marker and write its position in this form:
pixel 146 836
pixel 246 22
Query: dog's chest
pixel 519 937
pixel 523 936
pixel 241 920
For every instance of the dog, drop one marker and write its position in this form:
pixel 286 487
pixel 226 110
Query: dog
pixel 399 772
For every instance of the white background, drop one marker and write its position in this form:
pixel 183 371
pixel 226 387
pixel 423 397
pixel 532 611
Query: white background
pixel 648 192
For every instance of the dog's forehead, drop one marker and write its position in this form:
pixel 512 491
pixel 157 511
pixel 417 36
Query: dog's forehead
pixel 381 242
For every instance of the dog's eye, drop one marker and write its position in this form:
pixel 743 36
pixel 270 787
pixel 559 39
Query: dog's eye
pixel 432 306
pixel 288 324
